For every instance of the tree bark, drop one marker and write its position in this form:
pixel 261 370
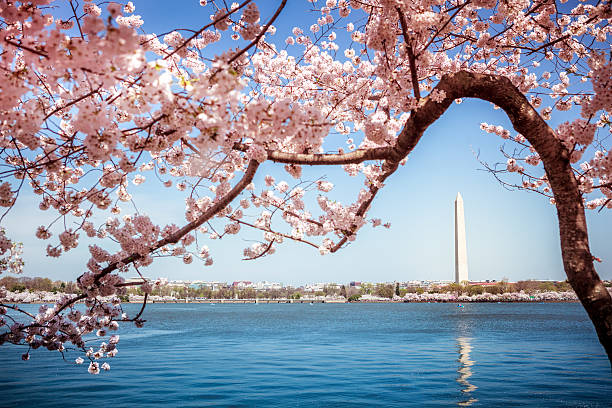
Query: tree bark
pixel 577 257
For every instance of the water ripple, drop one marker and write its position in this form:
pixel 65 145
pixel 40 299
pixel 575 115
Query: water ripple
pixel 332 355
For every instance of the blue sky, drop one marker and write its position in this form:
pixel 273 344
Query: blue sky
pixel 510 234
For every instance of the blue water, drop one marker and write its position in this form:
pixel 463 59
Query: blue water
pixel 540 355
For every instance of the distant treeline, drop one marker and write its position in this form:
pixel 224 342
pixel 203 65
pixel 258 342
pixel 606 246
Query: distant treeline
pixel 530 286
pixel 383 290
pixel 388 290
pixel 182 292
pixel 38 284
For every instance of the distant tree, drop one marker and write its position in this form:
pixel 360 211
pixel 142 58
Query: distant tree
pixel 274 294
pixel 223 293
pixel 331 289
pixel 455 288
pixel 205 292
pixel 43 284
pixel 8 282
pixel 504 286
pixel 384 290
pixel 247 293
pixel 547 287
pixel 563 286
pixel 527 286
pixel 366 288
pixel 475 290
pixel 17 287
pixel 397 288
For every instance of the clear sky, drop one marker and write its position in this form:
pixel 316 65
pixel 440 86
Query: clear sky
pixel 510 234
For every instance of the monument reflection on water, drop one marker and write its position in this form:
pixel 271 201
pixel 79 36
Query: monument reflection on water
pixel 465 371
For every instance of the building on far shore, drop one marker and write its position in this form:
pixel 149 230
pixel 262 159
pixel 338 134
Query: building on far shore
pixel 355 284
pixel 242 284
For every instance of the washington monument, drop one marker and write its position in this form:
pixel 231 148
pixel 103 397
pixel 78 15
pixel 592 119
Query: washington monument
pixel 461 265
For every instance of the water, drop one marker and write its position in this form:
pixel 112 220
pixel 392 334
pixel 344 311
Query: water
pixel 331 355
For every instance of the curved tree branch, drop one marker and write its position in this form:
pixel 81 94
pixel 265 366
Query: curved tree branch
pixel 577 257
pixel 357 156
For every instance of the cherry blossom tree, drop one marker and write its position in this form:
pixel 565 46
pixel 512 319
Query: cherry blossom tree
pixel 90 106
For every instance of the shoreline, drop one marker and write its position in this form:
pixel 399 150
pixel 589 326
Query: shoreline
pixel 289 301
pixel 448 297
pixel 282 301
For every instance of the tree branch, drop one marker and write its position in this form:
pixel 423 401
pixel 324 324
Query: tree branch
pixel 248 224
pixel 24 47
pixel 357 156
pixel 201 30
pixel 261 34
pixel 176 236
pixel 411 58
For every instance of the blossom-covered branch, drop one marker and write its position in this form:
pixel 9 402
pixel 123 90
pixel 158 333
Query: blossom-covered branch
pixel 91 108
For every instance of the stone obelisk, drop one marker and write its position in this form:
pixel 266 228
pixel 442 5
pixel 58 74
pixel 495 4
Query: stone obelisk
pixel 461 265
